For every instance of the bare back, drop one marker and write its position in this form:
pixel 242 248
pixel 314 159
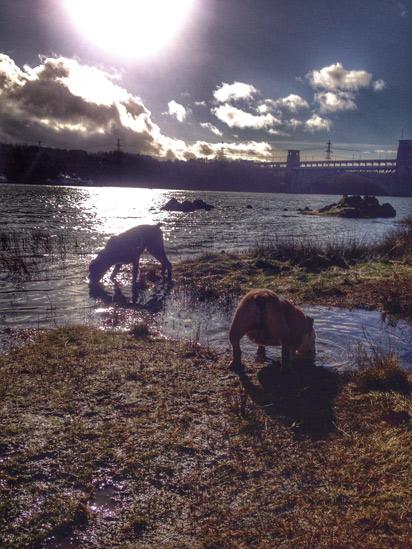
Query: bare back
pixel 269 320
pixel 124 247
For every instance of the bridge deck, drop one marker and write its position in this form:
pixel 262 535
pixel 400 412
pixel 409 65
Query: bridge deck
pixel 342 166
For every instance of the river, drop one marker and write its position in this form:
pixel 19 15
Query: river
pixel 80 219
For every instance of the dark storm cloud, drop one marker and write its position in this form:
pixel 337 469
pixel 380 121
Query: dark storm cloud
pixel 68 104
pixel 41 103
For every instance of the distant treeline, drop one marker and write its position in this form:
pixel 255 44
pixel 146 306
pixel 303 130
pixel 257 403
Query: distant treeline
pixel 41 165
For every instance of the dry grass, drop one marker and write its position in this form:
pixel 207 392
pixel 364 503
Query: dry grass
pixel 346 274
pixel 111 441
pixel 396 244
pixel 140 329
pixel 380 372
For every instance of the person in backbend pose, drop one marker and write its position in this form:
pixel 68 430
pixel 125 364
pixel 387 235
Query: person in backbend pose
pixel 270 320
pixel 127 248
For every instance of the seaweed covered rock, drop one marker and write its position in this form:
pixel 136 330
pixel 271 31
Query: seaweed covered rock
pixel 355 206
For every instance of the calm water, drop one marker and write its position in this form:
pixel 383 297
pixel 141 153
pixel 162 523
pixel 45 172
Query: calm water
pixel 57 291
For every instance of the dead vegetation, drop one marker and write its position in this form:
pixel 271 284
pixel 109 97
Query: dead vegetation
pixel 24 253
pixel 378 371
pixel 347 273
pixel 108 440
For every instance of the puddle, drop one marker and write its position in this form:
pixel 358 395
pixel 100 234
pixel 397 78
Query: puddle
pixel 339 331
pixel 104 505
pixel 103 498
pixel 106 500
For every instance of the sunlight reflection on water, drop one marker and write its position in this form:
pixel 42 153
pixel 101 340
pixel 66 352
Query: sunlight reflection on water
pixel 57 292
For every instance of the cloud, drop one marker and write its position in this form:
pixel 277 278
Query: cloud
pixel 237 118
pixel 316 123
pixel 272 131
pixel 403 12
pixel 336 77
pixel 264 107
pixel 248 150
pixel 385 151
pixel 379 85
pixel 177 110
pixel 292 103
pixel 65 103
pixel 211 127
pixel 335 101
pixel 233 92
pixel 294 123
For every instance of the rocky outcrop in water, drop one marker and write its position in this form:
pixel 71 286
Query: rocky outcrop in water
pixel 355 207
pixel 174 205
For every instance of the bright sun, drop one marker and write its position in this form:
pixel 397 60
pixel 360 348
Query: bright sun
pixel 130 28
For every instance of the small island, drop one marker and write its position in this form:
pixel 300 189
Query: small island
pixel 355 207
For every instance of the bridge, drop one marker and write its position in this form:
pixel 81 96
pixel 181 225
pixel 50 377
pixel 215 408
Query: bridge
pixel 399 168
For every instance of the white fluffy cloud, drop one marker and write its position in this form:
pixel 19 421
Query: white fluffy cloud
pixel 211 127
pixel 336 77
pixel 335 101
pixel 247 150
pixel 336 87
pixel 177 110
pixel 294 123
pixel 292 103
pixel 316 123
pixel 233 92
pixel 237 118
pixel 379 84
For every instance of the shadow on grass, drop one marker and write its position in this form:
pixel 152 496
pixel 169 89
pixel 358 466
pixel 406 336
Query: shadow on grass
pixel 302 395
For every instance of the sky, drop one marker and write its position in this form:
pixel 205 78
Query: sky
pixel 183 79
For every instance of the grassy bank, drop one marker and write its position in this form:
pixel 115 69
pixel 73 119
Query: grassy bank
pixel 345 274
pixel 112 440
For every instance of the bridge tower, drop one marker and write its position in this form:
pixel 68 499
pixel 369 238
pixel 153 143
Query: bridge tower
pixel 404 163
pixel 292 173
pixel 293 160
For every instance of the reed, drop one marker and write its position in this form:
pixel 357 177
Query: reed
pixel 24 253
pixel 397 244
pixel 380 371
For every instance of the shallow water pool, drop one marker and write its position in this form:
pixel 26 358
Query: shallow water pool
pixel 339 332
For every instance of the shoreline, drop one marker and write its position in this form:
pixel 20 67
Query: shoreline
pixel 109 439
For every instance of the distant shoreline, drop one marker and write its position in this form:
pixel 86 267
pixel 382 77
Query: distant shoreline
pixel 23 164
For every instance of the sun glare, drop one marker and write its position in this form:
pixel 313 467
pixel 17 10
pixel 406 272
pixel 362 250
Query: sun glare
pixel 130 28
